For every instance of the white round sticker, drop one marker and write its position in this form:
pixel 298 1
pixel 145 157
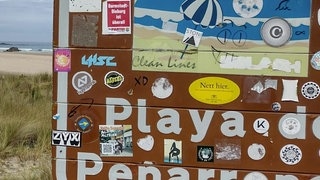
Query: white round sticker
pixel 276 32
pixel 290 154
pixel 256 151
pixel 291 125
pixel 82 81
pixel 310 90
pixel 255 176
pixel 261 125
pixel 162 88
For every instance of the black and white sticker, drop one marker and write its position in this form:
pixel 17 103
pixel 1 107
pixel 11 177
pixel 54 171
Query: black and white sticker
pixel 66 138
pixel 310 90
pixel 205 153
pixel 291 154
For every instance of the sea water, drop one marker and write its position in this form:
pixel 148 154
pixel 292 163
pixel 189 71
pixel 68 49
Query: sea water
pixel 41 47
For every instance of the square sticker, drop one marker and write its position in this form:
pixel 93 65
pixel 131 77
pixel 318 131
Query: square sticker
pixel 205 153
pixel 62 60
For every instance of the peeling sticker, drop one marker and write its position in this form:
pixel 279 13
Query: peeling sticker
pixel 205 153
pixel 172 151
pixel 256 151
pixel 146 143
pixel 82 82
pixel 255 176
pixel 258 87
pixel 84 30
pixel 162 88
pixel 85 6
pixel 289 92
pixel 269 83
pixel 286 66
pixel 310 90
pixel 227 151
pixel 261 126
pixel 290 154
pixel 56 116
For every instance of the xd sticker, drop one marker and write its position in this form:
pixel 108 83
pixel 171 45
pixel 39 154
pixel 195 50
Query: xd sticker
pixel 146 143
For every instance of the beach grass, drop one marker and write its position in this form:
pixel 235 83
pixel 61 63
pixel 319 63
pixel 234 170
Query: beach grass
pixel 25 126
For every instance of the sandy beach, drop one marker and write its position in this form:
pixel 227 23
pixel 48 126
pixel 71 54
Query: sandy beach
pixel 25 63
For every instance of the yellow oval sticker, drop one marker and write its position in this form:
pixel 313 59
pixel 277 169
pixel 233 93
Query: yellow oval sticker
pixel 214 90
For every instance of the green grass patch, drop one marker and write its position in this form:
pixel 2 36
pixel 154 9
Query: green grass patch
pixel 25 118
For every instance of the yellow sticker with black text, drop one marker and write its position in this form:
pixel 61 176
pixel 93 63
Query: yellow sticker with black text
pixel 214 90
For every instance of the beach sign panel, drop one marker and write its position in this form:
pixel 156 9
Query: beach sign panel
pixel 186 89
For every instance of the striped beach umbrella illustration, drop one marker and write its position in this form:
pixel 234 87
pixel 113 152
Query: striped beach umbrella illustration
pixel 206 13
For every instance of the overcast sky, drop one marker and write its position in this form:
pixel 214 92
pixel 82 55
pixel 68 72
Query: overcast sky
pixel 26 20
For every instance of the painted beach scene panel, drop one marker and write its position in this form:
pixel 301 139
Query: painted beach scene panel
pixel 240 37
